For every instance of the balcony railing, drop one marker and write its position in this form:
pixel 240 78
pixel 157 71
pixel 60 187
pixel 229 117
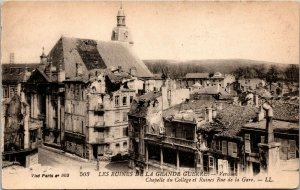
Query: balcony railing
pixel 154 137
pixel 183 142
pixel 171 140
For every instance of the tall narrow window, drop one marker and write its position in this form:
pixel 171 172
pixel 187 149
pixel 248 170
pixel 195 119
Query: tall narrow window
pixel 125 117
pixel 117 147
pixel 124 101
pixel 234 150
pixel 131 99
pixel 211 164
pixel 292 149
pixel 82 126
pixel 117 101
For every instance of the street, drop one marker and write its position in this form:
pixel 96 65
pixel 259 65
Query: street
pixel 58 159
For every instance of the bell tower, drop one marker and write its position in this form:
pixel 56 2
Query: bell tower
pixel 121 32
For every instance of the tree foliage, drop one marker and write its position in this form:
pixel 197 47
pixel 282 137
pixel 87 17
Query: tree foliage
pixel 269 73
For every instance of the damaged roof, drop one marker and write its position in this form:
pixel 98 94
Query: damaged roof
pixel 196 106
pixel 118 77
pixel 95 55
pixel 140 105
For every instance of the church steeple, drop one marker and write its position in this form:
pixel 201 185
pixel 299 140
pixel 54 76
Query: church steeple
pixel 121 16
pixel 121 32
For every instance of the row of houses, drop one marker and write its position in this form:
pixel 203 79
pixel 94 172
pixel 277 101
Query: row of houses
pixel 76 99
pixel 212 135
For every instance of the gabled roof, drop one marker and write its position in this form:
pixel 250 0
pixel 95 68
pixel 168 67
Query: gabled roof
pixel 38 76
pixel 95 55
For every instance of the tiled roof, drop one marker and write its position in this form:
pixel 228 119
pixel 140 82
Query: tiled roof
pixel 95 55
pixel 197 75
pixel 285 111
pixel 197 106
pixel 118 77
pixel 230 119
pixel 140 105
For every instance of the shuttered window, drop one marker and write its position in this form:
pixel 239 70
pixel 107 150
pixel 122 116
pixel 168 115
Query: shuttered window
pixel 234 150
pixel 247 143
pixel 211 164
pixel 292 149
pixel 217 145
pixel 230 148
pixel 224 147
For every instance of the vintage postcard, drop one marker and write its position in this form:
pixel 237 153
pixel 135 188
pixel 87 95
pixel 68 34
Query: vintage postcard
pixel 150 94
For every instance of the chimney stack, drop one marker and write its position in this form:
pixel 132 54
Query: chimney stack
pixel 269 121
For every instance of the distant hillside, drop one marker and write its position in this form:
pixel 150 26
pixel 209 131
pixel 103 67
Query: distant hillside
pixel 180 68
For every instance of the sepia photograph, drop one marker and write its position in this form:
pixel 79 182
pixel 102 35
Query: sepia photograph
pixel 150 94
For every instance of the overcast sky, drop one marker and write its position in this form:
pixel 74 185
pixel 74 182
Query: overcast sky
pixel 266 31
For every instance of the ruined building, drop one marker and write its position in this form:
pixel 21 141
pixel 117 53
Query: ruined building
pixel 213 136
pixel 96 121
pixel 145 116
pixel 19 138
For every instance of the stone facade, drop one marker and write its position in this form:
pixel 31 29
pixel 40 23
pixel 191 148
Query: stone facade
pixel 145 116
pixel 96 122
